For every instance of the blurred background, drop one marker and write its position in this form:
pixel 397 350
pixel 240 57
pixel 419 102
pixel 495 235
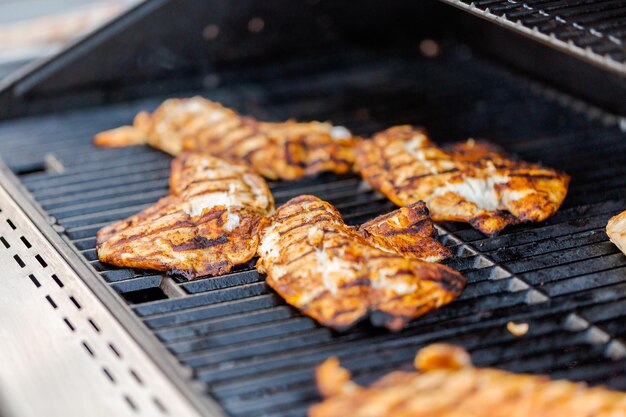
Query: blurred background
pixel 31 29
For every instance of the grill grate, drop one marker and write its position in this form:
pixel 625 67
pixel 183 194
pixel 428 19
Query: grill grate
pixel 255 354
pixel 590 28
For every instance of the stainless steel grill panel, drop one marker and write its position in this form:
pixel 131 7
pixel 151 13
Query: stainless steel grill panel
pixel 55 329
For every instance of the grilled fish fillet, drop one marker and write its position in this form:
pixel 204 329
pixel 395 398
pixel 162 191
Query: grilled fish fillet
pixel 469 182
pixel 448 386
pixel 334 274
pixel 287 150
pixel 408 231
pixel 207 224
pixel 616 229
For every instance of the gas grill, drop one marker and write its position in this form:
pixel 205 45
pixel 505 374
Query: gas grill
pixel 544 79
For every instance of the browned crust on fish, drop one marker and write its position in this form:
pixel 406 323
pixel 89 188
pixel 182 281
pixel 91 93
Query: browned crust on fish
pixel 137 134
pixel 287 150
pixel 471 182
pixel 446 385
pixel 407 231
pixel 178 235
pixel 332 273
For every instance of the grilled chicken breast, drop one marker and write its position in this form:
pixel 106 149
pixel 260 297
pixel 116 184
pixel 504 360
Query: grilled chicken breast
pixel 469 182
pixel 616 229
pixel 448 386
pixel 287 150
pixel 334 274
pixel 207 224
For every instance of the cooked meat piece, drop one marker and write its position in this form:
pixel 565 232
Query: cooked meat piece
pixel 293 150
pixel 332 273
pixel 446 385
pixel 470 182
pixel 123 135
pixel 287 150
pixel 616 229
pixel 168 126
pixel 408 231
pixel 218 181
pixel 207 224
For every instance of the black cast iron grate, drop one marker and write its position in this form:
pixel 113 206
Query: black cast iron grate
pixel 255 354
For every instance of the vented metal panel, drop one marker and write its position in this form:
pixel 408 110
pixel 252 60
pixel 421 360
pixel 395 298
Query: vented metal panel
pixel 63 352
pixel 255 354
pixel 592 29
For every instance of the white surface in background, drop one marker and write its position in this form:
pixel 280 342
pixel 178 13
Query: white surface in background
pixel 31 29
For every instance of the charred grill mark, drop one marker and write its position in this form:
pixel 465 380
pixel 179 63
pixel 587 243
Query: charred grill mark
pixel 339 246
pixel 289 216
pixel 247 157
pixel 413 161
pixel 232 149
pixel 319 219
pixel 215 268
pixel 332 155
pixel 404 271
pixel 415 228
pixel 199 242
pixel 207 192
pixel 360 282
pixel 412 178
pixel 289 152
pixel 302 255
pixel 239 141
pixel 534 176
pixel 129 239
pixel 212 214
pixel 381 156
pixel 338 167
pixel 205 180
pixel 383 255
pixel 305 238
pixel 218 268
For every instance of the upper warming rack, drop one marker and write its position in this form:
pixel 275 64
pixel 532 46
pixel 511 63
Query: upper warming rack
pixel 594 30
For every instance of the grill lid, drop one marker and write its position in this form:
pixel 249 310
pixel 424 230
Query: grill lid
pixel 160 45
